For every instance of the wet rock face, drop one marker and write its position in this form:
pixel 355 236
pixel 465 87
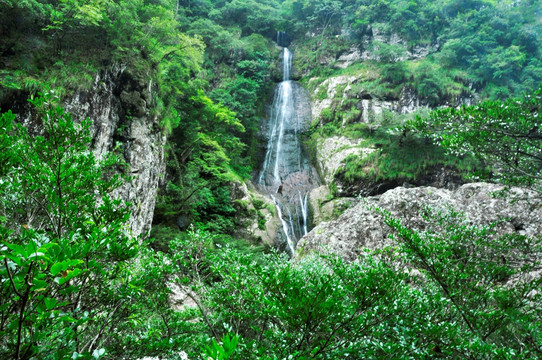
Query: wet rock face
pixel 300 105
pixel 255 217
pixel 326 208
pixel 360 227
pixel 334 98
pixel 119 105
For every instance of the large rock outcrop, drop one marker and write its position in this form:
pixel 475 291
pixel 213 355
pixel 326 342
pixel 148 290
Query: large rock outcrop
pixel 368 47
pixel 332 151
pixel 257 219
pixel 361 227
pixel 439 176
pixel 120 107
pixel 345 94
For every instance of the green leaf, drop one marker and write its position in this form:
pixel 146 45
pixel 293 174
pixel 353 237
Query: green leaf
pixel 36 255
pixel 64 265
pixel 98 353
pixel 56 268
pixel 50 303
pixel 16 259
pixel 17 249
pixel 39 285
pixel 31 248
pixel 70 275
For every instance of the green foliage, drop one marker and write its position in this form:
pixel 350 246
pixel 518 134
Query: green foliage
pixel 204 154
pixel 395 73
pixel 215 139
pixel 326 116
pixel 467 301
pixel 388 53
pixel 62 240
pixel 436 85
pixel 7 147
pixel 507 134
pixel 316 308
pixel 495 43
pixel 74 282
pixel 74 274
pixel 251 15
pixel 313 54
pixel 399 160
pixel 243 87
pixel 397 157
pixel 223 351
pixel 483 280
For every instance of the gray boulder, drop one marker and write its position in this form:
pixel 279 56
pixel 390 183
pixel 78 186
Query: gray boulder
pixel 361 227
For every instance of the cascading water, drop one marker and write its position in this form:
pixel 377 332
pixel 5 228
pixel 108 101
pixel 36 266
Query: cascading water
pixel 286 174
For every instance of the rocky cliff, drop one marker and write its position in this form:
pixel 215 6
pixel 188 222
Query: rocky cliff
pixel 256 215
pixel 370 74
pixel 344 93
pixel 347 95
pixel 361 227
pixel 120 106
pixel 355 117
pixel 375 35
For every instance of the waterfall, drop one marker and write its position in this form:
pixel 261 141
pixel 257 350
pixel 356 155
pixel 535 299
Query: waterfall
pixel 282 39
pixel 286 174
pixel 287 65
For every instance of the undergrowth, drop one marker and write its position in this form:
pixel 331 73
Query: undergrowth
pixel 406 159
pixel 397 156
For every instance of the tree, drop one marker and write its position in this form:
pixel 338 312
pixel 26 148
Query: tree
pixel 507 134
pixel 69 15
pixel 64 250
pixel 253 16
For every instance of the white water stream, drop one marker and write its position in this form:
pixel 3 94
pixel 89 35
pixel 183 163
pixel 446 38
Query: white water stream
pixel 286 174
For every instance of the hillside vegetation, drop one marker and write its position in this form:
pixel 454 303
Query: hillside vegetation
pixel 76 284
pixel 214 64
pixel 490 47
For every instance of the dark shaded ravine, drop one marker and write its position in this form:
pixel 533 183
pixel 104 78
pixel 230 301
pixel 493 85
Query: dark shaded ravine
pixel 287 176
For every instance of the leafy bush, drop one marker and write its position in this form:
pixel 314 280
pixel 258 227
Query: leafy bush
pixel 65 246
pixel 467 301
pixel 505 133
pixel 484 281
pixel 313 308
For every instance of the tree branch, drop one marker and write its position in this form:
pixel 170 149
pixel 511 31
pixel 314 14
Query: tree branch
pixel 11 278
pixel 203 312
